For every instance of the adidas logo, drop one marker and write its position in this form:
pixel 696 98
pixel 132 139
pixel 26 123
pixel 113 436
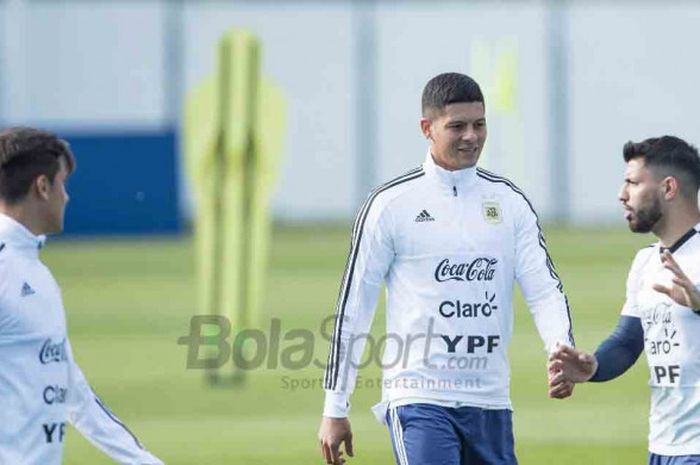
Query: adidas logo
pixel 424 216
pixel 27 289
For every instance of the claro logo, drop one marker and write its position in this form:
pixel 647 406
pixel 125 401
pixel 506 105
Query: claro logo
pixel 480 269
pixel 462 309
pixel 55 394
pixel 53 352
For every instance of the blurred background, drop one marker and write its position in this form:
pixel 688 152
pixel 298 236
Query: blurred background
pixel 566 85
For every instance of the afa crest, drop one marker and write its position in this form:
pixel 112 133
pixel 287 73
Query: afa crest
pixel 492 212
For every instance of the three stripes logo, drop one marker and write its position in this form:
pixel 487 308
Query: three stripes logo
pixel 424 216
pixel 27 290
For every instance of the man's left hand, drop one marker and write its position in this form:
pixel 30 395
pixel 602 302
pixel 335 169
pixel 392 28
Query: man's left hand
pixel 683 291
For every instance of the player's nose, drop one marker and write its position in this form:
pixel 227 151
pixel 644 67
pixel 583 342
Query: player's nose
pixel 622 195
pixel 469 134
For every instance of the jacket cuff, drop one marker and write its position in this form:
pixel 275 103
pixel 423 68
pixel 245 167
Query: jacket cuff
pixel 554 345
pixel 336 405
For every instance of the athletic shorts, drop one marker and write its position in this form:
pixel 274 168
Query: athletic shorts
pixel 425 434
pixel 655 459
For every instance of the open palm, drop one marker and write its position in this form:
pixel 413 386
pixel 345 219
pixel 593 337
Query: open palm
pixel 683 290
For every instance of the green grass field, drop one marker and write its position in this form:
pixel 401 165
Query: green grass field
pixel 129 301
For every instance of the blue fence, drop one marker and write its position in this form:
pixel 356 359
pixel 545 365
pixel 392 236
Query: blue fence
pixel 126 183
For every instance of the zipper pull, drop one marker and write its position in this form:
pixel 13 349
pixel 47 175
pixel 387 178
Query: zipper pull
pixel 454 190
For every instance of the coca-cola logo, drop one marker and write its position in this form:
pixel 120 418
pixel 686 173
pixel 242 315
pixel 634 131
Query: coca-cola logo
pixel 479 269
pixel 53 352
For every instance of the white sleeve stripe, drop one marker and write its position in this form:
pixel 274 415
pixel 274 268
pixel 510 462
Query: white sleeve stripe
pixel 491 177
pixel 332 368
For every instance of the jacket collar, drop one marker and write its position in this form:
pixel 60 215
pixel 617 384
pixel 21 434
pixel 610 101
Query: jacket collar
pixel 16 236
pixel 459 179
pixel 682 240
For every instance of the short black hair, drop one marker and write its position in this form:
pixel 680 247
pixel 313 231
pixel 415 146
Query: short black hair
pixel 670 156
pixel 26 154
pixel 448 88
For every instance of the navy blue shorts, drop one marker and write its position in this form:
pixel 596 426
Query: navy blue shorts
pixel 424 434
pixel 655 459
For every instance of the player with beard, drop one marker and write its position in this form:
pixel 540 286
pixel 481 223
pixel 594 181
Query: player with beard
pixel 661 314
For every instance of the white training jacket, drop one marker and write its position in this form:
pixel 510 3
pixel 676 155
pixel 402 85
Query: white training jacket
pixel 41 386
pixel 671 344
pixel 449 245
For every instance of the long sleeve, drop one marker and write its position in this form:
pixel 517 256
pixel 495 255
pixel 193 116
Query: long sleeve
pixel 371 254
pixel 539 282
pixel 620 350
pixel 99 425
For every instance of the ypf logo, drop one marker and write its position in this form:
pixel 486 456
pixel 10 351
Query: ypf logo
pixel 479 269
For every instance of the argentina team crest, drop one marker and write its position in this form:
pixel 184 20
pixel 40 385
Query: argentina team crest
pixel 492 212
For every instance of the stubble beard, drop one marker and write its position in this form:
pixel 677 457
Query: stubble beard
pixel 646 217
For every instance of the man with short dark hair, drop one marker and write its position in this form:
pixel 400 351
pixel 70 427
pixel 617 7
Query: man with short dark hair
pixel 661 314
pixel 449 239
pixel 41 386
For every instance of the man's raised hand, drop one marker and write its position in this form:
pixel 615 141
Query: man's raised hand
pixel 683 291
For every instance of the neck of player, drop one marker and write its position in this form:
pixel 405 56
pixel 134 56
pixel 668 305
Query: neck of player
pixel 23 213
pixel 675 223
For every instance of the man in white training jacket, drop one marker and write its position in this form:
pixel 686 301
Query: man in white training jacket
pixel 449 240
pixel 41 386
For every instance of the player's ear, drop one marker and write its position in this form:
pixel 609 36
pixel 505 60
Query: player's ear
pixel 42 186
pixel 425 128
pixel 670 187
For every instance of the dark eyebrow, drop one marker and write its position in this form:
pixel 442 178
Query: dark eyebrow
pixel 461 121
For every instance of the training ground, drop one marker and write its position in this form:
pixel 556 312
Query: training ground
pixel 128 301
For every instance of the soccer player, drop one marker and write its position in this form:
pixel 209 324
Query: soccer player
pixel 449 240
pixel 661 314
pixel 41 387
